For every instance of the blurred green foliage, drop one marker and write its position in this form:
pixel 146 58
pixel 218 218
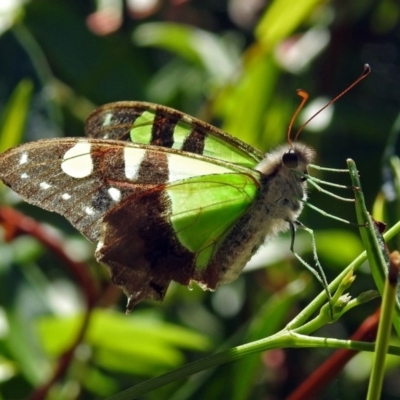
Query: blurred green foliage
pixel 238 67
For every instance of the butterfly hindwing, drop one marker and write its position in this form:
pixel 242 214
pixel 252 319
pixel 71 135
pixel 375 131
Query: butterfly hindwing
pixel 171 237
pixel 158 125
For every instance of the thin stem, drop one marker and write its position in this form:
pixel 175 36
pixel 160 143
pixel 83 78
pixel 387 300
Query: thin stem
pixel 283 339
pixel 384 329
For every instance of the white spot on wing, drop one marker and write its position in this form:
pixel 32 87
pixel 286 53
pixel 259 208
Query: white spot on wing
pixel 24 175
pixel 114 193
pixel 185 167
pixel 65 196
pixel 78 161
pixel 106 122
pixel 107 119
pixel 89 210
pixel 24 158
pixel 133 157
pixel 99 245
pixel 44 185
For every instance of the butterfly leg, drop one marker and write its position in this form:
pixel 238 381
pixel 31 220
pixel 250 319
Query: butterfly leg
pixel 318 272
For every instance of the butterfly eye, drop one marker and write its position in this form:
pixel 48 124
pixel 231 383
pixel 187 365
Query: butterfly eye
pixel 290 159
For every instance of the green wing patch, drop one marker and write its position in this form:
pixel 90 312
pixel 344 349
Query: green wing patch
pixel 217 144
pixel 204 209
pixel 148 123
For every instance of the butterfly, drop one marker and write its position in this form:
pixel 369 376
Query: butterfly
pixel 166 196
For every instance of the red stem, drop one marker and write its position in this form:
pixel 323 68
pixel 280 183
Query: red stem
pixel 16 224
pixel 312 386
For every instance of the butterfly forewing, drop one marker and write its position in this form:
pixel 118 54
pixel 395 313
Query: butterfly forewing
pixel 84 179
pixel 47 174
pixel 154 124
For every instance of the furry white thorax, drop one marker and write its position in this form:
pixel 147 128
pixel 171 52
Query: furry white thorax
pixel 280 201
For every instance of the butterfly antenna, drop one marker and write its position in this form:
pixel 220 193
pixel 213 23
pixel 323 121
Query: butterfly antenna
pixel 365 73
pixel 304 95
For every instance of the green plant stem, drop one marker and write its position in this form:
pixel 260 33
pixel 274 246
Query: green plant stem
pixel 384 270
pixel 282 339
pixel 318 302
pixel 383 335
pixel 373 241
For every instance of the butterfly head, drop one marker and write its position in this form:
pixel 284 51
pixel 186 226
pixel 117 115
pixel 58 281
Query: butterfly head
pixel 287 158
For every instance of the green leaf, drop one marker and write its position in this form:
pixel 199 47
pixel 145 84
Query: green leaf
pixel 21 344
pixel 246 110
pixel 281 19
pixel 347 246
pixel 14 116
pixel 196 45
pixel 98 382
pixel 118 339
